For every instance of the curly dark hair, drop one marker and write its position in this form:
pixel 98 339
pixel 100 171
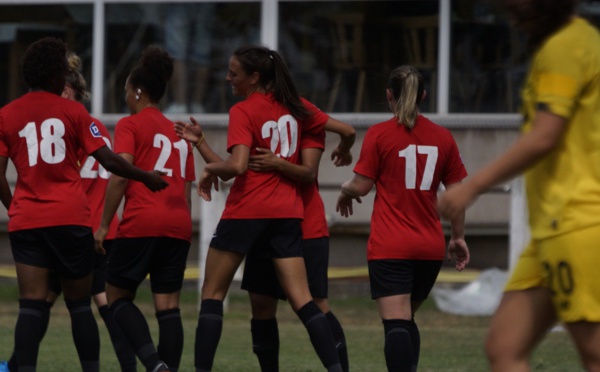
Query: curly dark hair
pixel 45 65
pixel 152 72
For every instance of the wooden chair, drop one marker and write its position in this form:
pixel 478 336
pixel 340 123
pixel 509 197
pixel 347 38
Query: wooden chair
pixel 349 55
pixel 420 39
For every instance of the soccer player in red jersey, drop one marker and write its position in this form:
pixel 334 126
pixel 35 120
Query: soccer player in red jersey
pixel 50 224
pixel 406 158
pixel 263 209
pixel 260 279
pixel 155 230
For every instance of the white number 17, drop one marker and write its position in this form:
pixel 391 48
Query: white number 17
pixel 410 154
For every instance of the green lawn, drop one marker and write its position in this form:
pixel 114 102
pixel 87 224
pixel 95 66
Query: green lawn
pixel 449 342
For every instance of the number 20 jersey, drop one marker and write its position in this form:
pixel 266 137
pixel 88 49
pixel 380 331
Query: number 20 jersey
pixel 43 134
pixel 408 166
pixel 260 121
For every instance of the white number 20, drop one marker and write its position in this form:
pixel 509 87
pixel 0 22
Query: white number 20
pixel 284 133
pixel 410 154
pixel 87 170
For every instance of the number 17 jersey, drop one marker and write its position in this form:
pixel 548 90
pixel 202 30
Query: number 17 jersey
pixel 408 165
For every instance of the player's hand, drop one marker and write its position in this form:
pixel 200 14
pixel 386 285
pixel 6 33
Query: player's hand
pixel 206 183
pixel 264 161
pixel 191 132
pixel 341 158
pixel 458 252
pixel 155 182
pixel 344 204
pixel 99 237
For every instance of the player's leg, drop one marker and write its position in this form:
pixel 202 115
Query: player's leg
pixel 123 350
pixel 261 282
pixel 519 323
pixel 127 268
pixel 166 277
pixel 289 265
pixel 571 263
pixel 522 318
pixel 73 247
pixel 316 259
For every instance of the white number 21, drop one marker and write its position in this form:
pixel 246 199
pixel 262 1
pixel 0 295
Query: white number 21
pixel 410 154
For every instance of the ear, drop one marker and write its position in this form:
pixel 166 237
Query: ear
pixel 389 95
pixel 65 93
pixel 254 78
pixel 423 95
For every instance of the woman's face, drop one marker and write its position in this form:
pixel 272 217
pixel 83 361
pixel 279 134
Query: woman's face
pixel 242 84
pixel 130 97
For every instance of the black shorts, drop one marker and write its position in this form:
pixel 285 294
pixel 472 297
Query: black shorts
pixel 396 277
pixel 68 250
pixel 260 277
pixel 99 280
pixel 132 259
pixel 274 237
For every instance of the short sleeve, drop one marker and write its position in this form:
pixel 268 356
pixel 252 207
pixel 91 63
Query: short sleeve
pixel 239 131
pixel 368 161
pixel 317 120
pixel 125 137
pixel 560 79
pixel 310 140
pixel 90 136
pixel 454 170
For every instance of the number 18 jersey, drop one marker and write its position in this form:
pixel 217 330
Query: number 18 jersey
pixel 43 134
pixel 408 165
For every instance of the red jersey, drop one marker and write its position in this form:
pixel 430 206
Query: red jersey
pixel 43 134
pixel 408 166
pixel 260 121
pixel 149 136
pixel 94 179
pixel 314 224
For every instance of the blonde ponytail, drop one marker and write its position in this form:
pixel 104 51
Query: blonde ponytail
pixel 406 86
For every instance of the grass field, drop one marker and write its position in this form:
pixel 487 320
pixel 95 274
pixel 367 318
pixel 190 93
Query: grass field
pixel 449 342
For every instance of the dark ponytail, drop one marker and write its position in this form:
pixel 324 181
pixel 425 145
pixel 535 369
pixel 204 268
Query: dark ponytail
pixel 274 77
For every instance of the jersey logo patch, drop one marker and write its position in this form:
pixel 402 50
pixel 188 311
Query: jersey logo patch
pixel 94 130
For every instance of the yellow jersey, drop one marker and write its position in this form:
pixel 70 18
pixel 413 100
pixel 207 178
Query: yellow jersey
pixel 563 188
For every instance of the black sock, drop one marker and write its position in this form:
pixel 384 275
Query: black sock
pixel 123 350
pixel 208 333
pixel 320 335
pixel 415 337
pixel 398 345
pixel 339 339
pixel 132 323
pixel 85 333
pixel 265 343
pixel 170 341
pixel 44 320
pixel 28 332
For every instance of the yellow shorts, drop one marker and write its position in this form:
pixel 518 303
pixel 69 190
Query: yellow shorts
pixel 568 265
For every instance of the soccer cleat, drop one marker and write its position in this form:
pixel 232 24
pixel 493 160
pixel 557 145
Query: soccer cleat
pixel 160 367
pixel 4 366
